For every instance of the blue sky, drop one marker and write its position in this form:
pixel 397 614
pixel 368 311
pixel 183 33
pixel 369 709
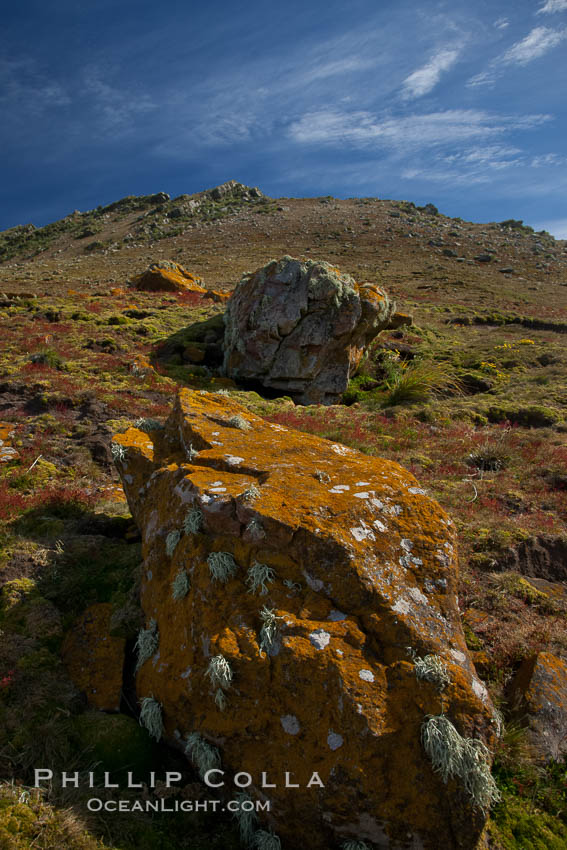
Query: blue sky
pixel 461 104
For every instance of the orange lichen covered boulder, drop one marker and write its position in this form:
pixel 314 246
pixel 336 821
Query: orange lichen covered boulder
pixel 285 577
pixel 540 691
pixel 7 451
pixel 167 276
pixel 301 327
pixel 94 659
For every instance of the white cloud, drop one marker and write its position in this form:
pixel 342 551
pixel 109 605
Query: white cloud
pixel 331 69
pixel 547 159
pixel 539 41
pixel 553 6
pixel 364 129
pixel 423 80
pixel 502 23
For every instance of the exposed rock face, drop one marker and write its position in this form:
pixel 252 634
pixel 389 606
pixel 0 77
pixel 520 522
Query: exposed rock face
pixel 167 276
pixel 301 327
pixel 94 659
pixel 358 564
pixel 541 693
pixel 7 452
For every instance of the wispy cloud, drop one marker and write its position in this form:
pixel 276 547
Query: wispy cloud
pixel 332 69
pixel 365 129
pixel 423 80
pixel 115 106
pixel 537 43
pixel 502 23
pixel 553 6
pixel 23 84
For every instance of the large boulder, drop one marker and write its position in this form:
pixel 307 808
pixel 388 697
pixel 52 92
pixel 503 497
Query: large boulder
pixel 167 276
pixel 540 696
pixel 285 578
pixel 302 328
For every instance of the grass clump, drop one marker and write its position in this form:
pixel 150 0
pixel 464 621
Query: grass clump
pixel 148 425
pixel 222 566
pixel 250 493
pixel 193 521
pixel 171 541
pixel 255 529
pixel 264 840
pixel 257 576
pixel 151 717
pixel 239 422
pixel 432 669
pixel 180 585
pixel 203 755
pixel 118 452
pixel 466 759
pixel 417 381
pixel 246 818
pixel 269 630
pixel 147 643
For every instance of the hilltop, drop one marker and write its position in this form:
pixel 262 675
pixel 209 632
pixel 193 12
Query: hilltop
pixel 469 393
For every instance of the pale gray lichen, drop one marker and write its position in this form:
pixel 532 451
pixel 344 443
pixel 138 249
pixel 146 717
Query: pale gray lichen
pixel 257 576
pixel 171 542
pixel 246 817
pixel 219 672
pixel 293 585
pixel 220 699
pixel 118 452
pixel 147 643
pixel 222 566
pixel 151 717
pixel 255 529
pixel 193 521
pixel 250 493
pixel 269 630
pixel 180 585
pixel 354 845
pixel 191 452
pixel 203 755
pixel 239 422
pixel 467 759
pixel 432 669
pixel 266 840
pixel 148 425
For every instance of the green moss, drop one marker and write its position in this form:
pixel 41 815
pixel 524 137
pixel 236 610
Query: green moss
pixel 533 416
pixel 518 825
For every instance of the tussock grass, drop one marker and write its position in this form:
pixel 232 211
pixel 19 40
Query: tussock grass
pixel 466 759
pixel 418 381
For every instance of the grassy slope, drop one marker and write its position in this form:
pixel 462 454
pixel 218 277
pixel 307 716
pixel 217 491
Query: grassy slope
pixel 71 330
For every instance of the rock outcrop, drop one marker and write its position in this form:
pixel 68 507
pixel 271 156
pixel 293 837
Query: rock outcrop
pixel 302 328
pixel 167 276
pixel 540 693
pixel 284 579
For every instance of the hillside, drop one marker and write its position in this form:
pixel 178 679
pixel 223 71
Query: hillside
pixel 470 395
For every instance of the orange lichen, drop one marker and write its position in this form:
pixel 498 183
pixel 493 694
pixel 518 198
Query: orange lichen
pixel 364 566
